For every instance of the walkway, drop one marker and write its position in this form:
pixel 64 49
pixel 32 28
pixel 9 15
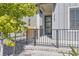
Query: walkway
pixel 43 51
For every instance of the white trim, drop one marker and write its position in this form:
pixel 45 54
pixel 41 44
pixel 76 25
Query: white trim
pixel 53 20
pixel 38 24
pixel 73 7
pixel 68 17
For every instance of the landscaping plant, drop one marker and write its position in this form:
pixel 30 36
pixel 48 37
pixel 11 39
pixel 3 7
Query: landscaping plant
pixel 10 19
pixel 73 52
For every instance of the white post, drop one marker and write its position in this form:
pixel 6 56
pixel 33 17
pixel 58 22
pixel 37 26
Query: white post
pixel 1 48
pixel 38 24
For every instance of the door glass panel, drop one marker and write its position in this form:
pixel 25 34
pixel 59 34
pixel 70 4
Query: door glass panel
pixel 48 25
pixel 48 19
pixel 48 31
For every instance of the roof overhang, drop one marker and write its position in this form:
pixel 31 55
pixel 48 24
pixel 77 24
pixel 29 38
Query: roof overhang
pixel 47 8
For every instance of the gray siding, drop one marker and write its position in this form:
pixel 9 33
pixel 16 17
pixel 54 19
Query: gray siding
pixel 61 15
pixel 61 22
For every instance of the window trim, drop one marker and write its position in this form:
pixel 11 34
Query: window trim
pixel 69 15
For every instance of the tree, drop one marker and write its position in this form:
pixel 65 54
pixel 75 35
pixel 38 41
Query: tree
pixel 17 10
pixel 10 19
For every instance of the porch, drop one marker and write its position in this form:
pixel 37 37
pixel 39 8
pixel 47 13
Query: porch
pixel 31 40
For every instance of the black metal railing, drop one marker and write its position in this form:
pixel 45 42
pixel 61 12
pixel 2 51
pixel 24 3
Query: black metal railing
pixel 58 38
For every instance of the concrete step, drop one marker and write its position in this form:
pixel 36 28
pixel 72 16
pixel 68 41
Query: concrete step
pixel 45 48
pixel 30 50
pixel 39 53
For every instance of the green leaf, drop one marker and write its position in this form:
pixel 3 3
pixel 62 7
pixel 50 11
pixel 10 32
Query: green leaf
pixel 10 18
pixel 73 51
pixel 9 43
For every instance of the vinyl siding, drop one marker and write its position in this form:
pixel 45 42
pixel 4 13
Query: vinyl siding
pixel 61 15
pixel 62 22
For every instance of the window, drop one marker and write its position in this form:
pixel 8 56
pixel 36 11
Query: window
pixel 74 18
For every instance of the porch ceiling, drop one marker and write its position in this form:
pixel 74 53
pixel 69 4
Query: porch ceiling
pixel 47 8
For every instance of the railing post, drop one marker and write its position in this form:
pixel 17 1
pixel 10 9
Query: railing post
pixel 1 47
pixel 35 37
pixel 57 41
pixel 27 37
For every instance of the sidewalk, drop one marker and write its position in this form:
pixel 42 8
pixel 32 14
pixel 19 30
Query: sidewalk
pixel 30 50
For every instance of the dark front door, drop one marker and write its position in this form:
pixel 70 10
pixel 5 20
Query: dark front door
pixel 48 25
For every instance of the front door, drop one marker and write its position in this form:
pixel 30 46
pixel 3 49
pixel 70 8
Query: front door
pixel 48 25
